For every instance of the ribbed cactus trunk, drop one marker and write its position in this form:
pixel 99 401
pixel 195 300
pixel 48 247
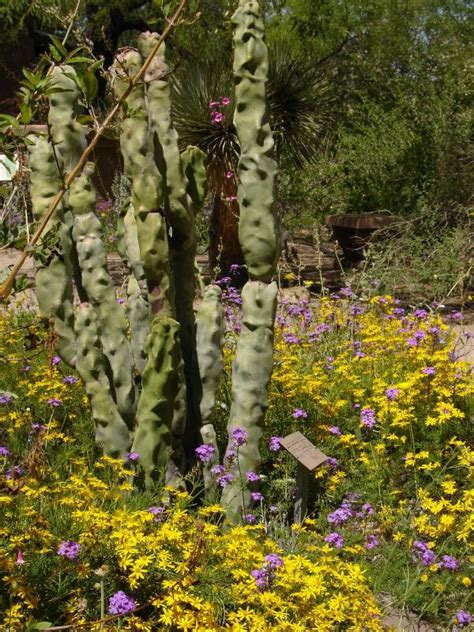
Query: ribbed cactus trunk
pixel 258 234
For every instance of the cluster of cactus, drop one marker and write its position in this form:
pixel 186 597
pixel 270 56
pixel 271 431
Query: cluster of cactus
pixel 151 368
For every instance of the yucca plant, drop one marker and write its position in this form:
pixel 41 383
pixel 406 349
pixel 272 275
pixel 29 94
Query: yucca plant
pixel 298 100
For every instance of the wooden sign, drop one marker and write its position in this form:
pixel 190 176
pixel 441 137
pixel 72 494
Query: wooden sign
pixel 303 450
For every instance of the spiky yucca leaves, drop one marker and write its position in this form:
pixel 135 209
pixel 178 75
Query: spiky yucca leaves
pixel 298 102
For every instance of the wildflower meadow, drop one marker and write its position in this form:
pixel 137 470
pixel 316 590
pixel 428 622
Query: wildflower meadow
pixel 379 388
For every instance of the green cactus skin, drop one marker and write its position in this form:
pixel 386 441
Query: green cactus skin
pixel 147 186
pixel 153 439
pixel 138 314
pixel 258 235
pixel 112 433
pixel 258 226
pixel 53 282
pixel 165 144
pixel 251 373
pixel 210 331
pixel 69 142
pixel 88 236
pixel 179 213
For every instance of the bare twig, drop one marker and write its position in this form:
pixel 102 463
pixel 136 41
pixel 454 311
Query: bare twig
pixel 7 286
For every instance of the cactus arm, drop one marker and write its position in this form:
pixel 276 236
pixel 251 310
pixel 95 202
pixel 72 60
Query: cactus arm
pixel 112 433
pixel 258 236
pixel 258 226
pixel 165 144
pixel 251 373
pixel 179 211
pixel 87 234
pixel 53 283
pixel 210 336
pixel 147 186
pixel 153 439
pixel 69 142
pixel 194 165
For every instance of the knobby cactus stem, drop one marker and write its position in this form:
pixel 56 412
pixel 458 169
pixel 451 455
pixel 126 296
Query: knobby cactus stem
pixel 259 239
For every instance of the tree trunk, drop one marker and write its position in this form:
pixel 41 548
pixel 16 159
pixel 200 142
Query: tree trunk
pixel 224 246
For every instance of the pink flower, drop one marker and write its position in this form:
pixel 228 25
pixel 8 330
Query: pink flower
pixel 225 101
pixel 217 117
pixel 19 557
pixel 229 174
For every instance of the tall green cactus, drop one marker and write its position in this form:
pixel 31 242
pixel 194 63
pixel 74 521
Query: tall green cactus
pixel 258 235
pixel 153 388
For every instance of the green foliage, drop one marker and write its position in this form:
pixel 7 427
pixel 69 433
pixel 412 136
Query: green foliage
pixel 426 257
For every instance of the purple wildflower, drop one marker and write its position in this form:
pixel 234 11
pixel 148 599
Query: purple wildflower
pixel 54 402
pixel 239 435
pixel 299 413
pixel 334 430
pixel 455 315
pixel 449 563
pixel 341 514
pixel 335 539
pixel 70 379
pixel 205 452
pixel 291 339
pixel 26 368
pixel 420 313
pixel 428 370
pixel 392 393
pixel 69 549
pixel 120 603
pixel 346 292
pixel 371 542
pixel 14 472
pixel 332 462
pixel 262 578
pixel 249 518
pixel 423 553
pixel 217 470
pixel 225 479
pixel 368 509
pixel 4 451
pixel 133 456
pixel 274 444
pixel 230 454
pixel 5 399
pixel 274 560
pixel 356 310
pixel 257 496
pixel 367 417
pixel 55 361
pixel 463 618
pixel 253 477
pixel 38 427
pixel 158 512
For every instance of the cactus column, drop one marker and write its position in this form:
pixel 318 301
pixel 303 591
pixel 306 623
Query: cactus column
pixel 258 235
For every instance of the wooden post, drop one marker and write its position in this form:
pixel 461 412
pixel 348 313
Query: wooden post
pixel 301 498
pixel 309 458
